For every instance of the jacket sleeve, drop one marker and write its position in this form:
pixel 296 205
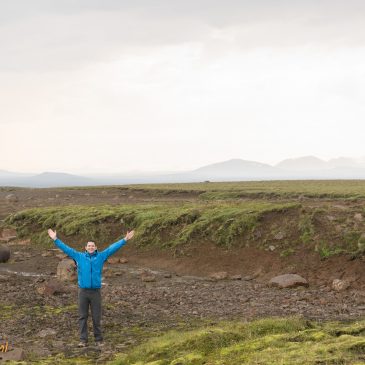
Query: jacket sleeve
pixel 67 249
pixel 113 248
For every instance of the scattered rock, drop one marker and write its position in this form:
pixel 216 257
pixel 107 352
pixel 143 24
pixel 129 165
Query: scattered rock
pixel 148 277
pixel 220 275
pixel 340 285
pixel 4 254
pixel 236 277
pixel 167 275
pixel 113 260
pixel 66 270
pixel 272 248
pixel 107 273
pixel 123 260
pixel 11 198
pixel 288 281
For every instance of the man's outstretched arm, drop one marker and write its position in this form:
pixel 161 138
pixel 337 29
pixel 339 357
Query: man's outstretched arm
pixel 113 248
pixel 62 246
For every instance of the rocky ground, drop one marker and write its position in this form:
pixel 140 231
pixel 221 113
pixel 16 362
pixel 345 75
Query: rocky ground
pixel 139 302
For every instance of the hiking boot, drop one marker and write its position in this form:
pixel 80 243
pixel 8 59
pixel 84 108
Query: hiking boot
pixel 82 344
pixel 99 344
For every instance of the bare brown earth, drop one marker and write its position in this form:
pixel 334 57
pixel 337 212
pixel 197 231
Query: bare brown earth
pixel 182 293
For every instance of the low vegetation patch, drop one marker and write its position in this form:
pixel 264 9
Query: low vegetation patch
pixel 350 189
pixel 267 341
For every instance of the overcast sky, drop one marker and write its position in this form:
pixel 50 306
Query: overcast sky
pixel 115 86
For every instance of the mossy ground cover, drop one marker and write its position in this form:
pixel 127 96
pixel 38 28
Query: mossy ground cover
pixel 350 189
pixel 161 224
pixel 15 312
pixel 266 341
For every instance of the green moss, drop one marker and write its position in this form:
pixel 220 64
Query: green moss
pixel 320 189
pixel 306 228
pixel 268 341
pixel 10 311
pixel 287 252
pixel 325 251
pixel 351 239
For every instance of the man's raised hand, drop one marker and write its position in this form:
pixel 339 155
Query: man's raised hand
pixel 52 234
pixel 129 235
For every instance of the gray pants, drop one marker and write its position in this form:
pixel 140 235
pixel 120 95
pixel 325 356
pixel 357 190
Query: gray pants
pixel 92 298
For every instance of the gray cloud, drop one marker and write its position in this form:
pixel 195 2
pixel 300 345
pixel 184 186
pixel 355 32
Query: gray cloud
pixel 47 35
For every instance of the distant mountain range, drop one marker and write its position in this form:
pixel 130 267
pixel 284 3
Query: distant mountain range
pixel 308 167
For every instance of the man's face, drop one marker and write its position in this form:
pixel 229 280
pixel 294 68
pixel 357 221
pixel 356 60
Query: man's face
pixel 90 247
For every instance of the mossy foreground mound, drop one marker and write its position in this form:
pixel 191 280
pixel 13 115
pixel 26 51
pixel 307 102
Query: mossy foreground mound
pixel 162 224
pixel 268 341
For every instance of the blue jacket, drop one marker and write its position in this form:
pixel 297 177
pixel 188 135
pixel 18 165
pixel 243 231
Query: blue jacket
pixel 89 266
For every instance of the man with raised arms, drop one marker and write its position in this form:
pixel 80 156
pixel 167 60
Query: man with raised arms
pixel 89 270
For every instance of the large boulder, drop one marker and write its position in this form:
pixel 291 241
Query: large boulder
pixel 4 253
pixel 66 270
pixel 288 281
